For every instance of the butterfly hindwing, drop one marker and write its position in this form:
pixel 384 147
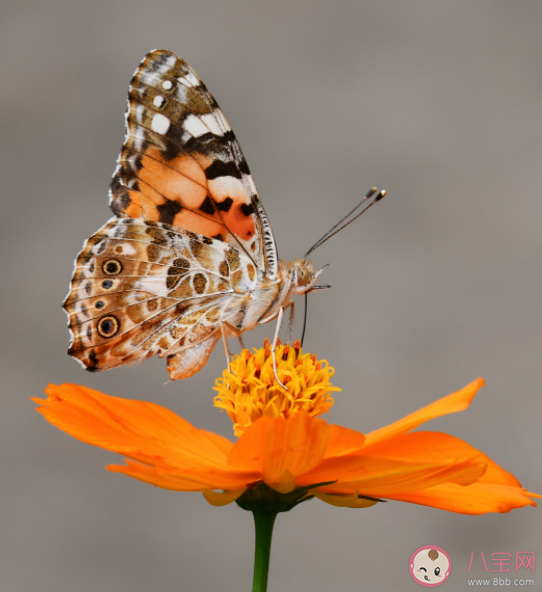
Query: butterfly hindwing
pixel 191 360
pixel 182 165
pixel 143 288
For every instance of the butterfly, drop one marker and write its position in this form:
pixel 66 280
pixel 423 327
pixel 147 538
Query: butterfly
pixel 189 256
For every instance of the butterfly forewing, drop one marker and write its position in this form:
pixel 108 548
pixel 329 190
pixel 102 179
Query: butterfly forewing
pixel 182 165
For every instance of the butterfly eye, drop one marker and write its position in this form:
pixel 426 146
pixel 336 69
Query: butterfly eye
pixel 112 267
pixel 108 326
pixel 302 275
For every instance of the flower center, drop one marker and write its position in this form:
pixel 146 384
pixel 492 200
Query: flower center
pixel 250 389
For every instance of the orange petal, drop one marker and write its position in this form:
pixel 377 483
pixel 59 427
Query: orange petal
pixel 248 451
pixel 497 475
pixel 221 499
pixel 408 462
pixel 343 441
pixel 220 442
pixel 286 483
pixel 273 445
pixel 386 477
pixel 192 479
pixel 345 501
pixel 458 401
pixel 296 444
pixel 136 429
pixel 432 448
pixel 478 498
pixel 155 477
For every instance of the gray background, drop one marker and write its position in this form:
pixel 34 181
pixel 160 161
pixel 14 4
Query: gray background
pixel 437 101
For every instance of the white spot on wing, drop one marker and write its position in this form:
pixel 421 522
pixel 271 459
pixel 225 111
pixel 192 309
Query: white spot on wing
pixel 195 126
pixel 149 77
pixel 138 143
pixel 181 92
pixel 139 111
pixel 213 123
pixel 169 62
pixel 223 120
pixel 223 187
pixel 184 81
pixel 138 137
pixel 128 249
pixel 153 284
pixel 167 84
pixel 160 123
pixel 158 101
pixel 191 79
pixel 132 160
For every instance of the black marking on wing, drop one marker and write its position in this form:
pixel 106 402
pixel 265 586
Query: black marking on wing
pixel 207 206
pixel 168 211
pixel 223 169
pixel 224 206
pixel 247 209
pixel 171 151
pixel 92 367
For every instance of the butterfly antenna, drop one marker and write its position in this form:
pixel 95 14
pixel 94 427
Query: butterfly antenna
pixel 344 222
pixel 304 319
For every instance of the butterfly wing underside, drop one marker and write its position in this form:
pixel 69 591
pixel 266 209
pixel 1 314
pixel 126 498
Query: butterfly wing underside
pixel 190 236
pixel 142 289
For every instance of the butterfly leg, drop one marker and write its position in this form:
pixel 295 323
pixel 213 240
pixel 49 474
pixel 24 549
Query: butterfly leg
pixel 225 341
pixel 274 346
pixel 226 325
pixel 291 321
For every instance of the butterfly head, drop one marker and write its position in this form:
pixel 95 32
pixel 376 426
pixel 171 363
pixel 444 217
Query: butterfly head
pixel 303 276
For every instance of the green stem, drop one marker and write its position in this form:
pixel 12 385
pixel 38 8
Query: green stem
pixel 264 522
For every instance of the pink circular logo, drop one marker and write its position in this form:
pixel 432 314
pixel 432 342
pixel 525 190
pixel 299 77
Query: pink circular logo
pixel 430 566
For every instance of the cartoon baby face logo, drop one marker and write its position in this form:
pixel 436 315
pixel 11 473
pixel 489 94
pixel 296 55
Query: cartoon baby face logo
pixel 430 566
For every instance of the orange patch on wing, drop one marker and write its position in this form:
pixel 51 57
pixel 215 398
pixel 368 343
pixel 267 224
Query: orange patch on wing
pixel 144 202
pixel 239 223
pixel 134 209
pixel 185 165
pixel 150 195
pixel 202 160
pixel 172 184
pixel 190 168
pixel 236 221
pixel 197 223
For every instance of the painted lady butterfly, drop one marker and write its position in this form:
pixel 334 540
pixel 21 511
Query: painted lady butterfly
pixel 190 255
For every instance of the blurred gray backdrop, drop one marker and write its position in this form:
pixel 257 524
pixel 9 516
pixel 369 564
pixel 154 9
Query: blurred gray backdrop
pixel 440 103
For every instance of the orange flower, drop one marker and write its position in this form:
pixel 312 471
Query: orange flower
pixel 284 445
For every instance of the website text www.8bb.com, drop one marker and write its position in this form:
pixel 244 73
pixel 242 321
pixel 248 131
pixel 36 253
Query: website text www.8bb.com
pixel 501 582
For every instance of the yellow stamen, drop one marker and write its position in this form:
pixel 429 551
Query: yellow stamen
pixel 250 390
